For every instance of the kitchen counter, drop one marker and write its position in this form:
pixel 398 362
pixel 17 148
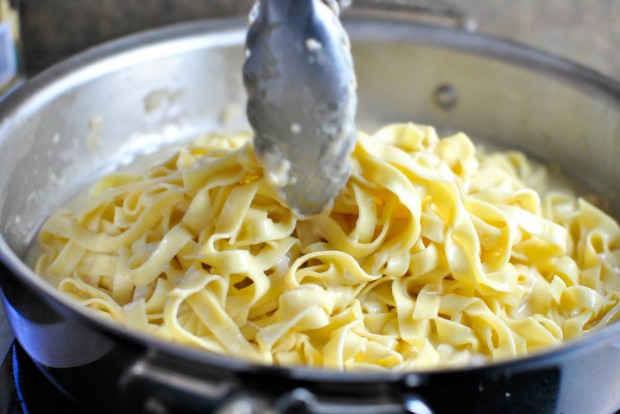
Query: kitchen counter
pixel 587 32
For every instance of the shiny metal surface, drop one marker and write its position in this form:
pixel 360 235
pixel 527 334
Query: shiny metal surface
pixel 454 13
pixel 101 109
pixel 6 335
pixel 301 100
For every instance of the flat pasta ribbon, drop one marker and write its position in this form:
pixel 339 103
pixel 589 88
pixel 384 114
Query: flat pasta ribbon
pixel 436 253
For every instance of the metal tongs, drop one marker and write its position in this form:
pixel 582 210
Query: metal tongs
pixel 301 99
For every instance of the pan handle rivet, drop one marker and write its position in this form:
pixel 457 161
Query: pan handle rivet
pixel 446 96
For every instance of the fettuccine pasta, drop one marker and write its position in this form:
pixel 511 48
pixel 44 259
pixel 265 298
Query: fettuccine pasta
pixel 434 254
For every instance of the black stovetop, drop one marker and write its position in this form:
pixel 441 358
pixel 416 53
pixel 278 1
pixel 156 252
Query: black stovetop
pixel 25 390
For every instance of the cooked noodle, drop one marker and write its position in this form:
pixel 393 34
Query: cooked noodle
pixel 434 254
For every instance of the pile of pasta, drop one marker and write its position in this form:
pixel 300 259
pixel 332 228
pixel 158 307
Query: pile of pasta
pixel 435 254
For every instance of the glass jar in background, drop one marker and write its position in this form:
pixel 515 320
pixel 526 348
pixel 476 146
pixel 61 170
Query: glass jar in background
pixel 9 47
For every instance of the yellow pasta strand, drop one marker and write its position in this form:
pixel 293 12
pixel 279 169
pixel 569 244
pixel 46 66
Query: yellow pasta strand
pixel 434 254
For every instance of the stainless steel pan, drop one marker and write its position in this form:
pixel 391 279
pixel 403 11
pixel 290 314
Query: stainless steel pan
pixel 101 109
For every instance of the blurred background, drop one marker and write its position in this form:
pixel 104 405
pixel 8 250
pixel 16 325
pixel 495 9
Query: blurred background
pixel 585 31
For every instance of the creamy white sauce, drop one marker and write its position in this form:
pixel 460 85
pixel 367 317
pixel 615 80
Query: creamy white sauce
pixel 295 128
pixel 277 167
pixel 95 130
pixel 313 45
